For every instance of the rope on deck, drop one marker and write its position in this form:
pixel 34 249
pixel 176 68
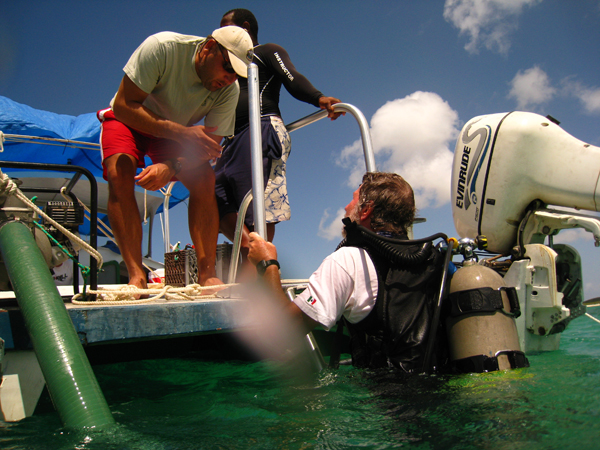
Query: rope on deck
pixel 127 294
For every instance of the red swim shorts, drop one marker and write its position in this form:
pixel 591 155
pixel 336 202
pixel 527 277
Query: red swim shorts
pixel 116 137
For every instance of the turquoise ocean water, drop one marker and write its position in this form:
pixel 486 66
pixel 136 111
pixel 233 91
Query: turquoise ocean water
pixel 195 402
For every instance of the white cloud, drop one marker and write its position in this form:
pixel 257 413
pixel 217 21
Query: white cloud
pixel 531 87
pixel 334 229
pixel 414 137
pixel 589 97
pixel 486 22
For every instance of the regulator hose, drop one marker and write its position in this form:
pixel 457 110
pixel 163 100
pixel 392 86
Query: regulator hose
pixel 387 247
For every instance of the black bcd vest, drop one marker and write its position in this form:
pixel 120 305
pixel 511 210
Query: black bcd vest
pixel 395 332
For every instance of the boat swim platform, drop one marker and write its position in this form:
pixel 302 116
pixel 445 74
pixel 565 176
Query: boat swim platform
pixel 99 323
pixel 104 324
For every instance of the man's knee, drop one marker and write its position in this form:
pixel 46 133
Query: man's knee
pixel 120 166
pixel 201 178
pixel 120 172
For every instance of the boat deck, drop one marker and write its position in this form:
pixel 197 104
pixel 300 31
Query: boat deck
pixel 97 323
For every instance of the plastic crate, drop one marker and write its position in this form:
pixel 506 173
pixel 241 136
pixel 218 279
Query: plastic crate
pixel 181 268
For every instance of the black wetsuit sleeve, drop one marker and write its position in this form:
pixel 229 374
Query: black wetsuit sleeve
pixel 295 83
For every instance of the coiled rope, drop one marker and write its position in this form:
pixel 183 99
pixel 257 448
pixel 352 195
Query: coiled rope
pixel 125 294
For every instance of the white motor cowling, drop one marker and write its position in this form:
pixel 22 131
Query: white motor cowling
pixel 504 162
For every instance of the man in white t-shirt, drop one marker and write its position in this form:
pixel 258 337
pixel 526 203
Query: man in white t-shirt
pixel 171 83
pixel 373 270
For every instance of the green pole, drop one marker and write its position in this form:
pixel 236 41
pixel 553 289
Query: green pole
pixel 69 376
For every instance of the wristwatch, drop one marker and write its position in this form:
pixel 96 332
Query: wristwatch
pixel 262 265
pixel 176 165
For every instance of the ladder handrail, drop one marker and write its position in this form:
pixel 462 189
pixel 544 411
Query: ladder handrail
pixel 258 188
pixel 237 241
pixel 360 119
pixel 257 191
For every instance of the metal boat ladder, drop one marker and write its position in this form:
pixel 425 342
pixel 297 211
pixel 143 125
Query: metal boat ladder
pixel 258 191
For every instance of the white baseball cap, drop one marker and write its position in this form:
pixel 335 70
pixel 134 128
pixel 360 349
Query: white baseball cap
pixel 239 46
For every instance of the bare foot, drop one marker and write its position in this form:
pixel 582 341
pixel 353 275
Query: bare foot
pixel 213 281
pixel 140 283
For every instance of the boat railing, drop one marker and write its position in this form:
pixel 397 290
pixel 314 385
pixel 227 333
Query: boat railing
pixel 147 211
pixel 360 119
pixel 258 191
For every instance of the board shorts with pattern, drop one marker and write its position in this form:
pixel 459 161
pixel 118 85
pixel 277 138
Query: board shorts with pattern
pixel 233 172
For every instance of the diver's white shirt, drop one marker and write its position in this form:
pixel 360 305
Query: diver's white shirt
pixel 344 284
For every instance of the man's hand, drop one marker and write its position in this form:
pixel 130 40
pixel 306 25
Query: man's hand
pixel 260 249
pixel 155 176
pixel 327 103
pixel 200 144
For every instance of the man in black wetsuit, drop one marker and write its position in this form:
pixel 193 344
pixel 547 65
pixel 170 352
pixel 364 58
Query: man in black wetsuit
pixel 233 169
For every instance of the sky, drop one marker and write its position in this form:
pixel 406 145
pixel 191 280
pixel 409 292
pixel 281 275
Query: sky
pixel 418 70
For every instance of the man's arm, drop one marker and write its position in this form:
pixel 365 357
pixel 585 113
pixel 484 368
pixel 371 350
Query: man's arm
pixel 297 84
pixel 129 109
pixel 155 176
pixel 261 250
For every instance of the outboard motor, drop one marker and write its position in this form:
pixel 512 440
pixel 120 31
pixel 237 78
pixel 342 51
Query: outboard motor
pixel 480 324
pixel 512 177
pixel 504 162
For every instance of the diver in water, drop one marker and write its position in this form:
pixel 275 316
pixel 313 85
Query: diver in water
pixel 384 289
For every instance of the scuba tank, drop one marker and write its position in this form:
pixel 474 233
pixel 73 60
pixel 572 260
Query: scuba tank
pixel 480 321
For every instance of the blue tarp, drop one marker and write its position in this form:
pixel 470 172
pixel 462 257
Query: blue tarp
pixel 19 119
pixel 16 118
